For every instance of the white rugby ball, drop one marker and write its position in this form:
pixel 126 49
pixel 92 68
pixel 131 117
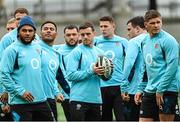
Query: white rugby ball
pixel 106 64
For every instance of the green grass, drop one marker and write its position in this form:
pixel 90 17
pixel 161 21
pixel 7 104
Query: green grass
pixel 61 116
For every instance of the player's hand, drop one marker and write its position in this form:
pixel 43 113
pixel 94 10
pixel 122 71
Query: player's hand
pixel 125 97
pixel 28 96
pixel 138 98
pixel 6 108
pixel 98 70
pixel 4 97
pixel 159 99
pixel 59 98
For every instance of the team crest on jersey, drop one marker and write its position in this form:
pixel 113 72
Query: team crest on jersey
pixel 156 45
pixel 117 44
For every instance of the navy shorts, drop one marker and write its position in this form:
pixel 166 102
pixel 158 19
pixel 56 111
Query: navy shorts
pixel 170 102
pixel 149 108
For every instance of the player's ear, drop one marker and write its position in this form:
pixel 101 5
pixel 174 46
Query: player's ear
pixel 138 29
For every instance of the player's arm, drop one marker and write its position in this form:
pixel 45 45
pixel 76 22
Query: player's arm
pixel 60 77
pixel 142 85
pixel 7 68
pixel 73 71
pixel 143 76
pixel 58 95
pixel 171 51
pixel 4 43
pixel 130 58
pixel 119 76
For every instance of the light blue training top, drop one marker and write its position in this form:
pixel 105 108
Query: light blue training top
pixel 85 84
pixel 50 65
pixel 133 65
pixel 161 53
pixel 21 71
pixel 115 49
pixel 64 50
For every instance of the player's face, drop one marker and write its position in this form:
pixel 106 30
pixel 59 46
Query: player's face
pixel 107 29
pixel 132 31
pixel 18 17
pixel 11 26
pixel 154 25
pixel 87 36
pixel 71 37
pixel 48 33
pixel 26 34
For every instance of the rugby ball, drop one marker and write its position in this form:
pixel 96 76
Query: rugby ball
pixel 106 64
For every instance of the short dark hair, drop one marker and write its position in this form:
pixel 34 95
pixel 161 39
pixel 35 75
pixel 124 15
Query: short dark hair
pixel 21 10
pixel 87 25
pixel 151 14
pixel 137 21
pixel 71 27
pixel 49 22
pixel 107 18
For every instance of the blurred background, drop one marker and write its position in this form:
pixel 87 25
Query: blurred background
pixel 65 12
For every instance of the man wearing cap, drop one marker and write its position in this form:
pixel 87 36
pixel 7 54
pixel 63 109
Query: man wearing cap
pixel 10 37
pixel 21 75
pixel 7 40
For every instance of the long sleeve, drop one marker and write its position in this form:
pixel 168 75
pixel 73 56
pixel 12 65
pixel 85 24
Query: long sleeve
pixel 73 74
pixel 56 89
pixel 131 56
pixel 62 81
pixel 7 67
pixel 124 83
pixel 143 83
pixel 171 58
pixel 7 40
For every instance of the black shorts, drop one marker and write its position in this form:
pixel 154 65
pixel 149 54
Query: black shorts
pixel 6 117
pixel 83 111
pixel 149 108
pixel 32 112
pixel 170 102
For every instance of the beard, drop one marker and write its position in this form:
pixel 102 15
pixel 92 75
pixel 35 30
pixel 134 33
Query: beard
pixel 25 42
pixel 87 41
pixel 72 45
pixel 48 40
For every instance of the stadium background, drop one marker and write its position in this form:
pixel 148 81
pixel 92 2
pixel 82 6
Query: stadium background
pixel 65 12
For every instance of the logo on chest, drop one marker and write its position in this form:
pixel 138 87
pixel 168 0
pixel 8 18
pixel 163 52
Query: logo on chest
pixel 35 63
